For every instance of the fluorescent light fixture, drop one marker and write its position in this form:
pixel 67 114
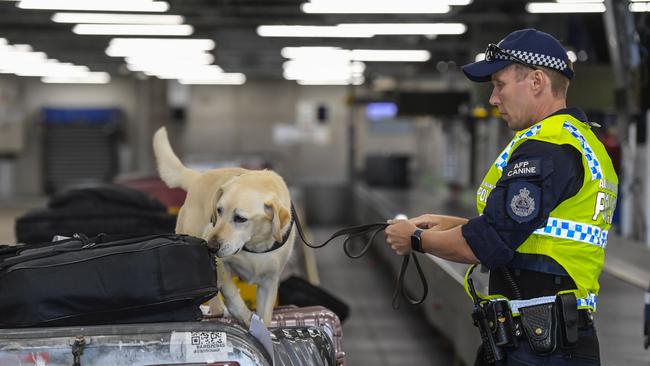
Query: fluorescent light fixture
pixel 334 53
pixel 375 7
pixel 112 18
pixel 579 1
pixel 51 69
pixel 407 28
pixel 183 58
pixel 134 29
pixel 316 52
pixel 173 71
pixel 565 7
pixel 90 78
pixel 123 47
pixel 354 81
pixel 224 79
pixel 639 7
pixel 361 30
pixel 310 31
pixel 96 5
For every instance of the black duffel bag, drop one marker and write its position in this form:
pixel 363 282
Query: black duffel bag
pixel 105 280
pixel 109 209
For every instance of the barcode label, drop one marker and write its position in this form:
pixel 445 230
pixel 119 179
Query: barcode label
pixel 208 339
pixel 204 346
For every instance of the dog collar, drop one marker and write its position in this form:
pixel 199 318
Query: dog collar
pixel 277 244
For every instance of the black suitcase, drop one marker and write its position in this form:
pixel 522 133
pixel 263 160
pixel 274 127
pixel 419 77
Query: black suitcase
pixel 105 280
pixel 108 209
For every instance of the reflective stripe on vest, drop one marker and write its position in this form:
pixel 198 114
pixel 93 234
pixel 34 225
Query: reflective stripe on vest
pixel 582 303
pixel 592 162
pixel 502 160
pixel 566 229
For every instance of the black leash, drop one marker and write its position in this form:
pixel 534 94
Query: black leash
pixel 374 229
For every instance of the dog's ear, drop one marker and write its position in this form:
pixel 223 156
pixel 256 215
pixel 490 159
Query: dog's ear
pixel 215 198
pixel 279 216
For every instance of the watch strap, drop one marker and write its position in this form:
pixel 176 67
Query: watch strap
pixel 416 240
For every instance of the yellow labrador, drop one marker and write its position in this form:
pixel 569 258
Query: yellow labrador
pixel 244 216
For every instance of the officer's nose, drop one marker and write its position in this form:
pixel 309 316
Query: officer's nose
pixel 494 98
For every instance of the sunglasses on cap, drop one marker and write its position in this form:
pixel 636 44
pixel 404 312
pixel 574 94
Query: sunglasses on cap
pixel 493 50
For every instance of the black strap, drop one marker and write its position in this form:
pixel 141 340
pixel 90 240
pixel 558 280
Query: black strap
pixel 374 229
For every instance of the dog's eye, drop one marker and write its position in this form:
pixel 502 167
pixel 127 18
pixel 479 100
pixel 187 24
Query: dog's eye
pixel 238 218
pixel 219 211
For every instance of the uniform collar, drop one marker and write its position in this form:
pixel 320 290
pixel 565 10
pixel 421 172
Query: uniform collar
pixel 576 113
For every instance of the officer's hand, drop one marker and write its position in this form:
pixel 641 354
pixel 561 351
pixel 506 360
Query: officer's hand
pixel 398 235
pixel 437 222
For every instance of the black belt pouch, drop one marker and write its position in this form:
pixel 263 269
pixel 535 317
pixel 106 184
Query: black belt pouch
pixel 540 326
pixel 567 309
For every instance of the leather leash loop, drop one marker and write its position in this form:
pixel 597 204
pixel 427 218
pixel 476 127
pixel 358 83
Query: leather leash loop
pixel 374 229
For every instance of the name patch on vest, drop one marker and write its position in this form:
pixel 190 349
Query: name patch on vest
pixel 523 201
pixel 523 168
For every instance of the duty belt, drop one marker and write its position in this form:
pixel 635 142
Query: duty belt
pixel 588 302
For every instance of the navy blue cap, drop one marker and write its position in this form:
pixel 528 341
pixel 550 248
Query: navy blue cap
pixel 528 46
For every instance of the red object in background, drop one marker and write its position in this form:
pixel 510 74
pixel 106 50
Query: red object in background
pixel 613 148
pixel 172 198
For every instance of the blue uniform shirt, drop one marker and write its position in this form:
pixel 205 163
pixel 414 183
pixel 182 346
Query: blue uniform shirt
pixel 557 175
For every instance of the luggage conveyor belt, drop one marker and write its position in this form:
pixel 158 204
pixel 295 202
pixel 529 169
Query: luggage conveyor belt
pixel 619 320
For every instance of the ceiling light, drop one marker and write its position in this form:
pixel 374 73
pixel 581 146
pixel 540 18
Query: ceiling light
pixel 375 7
pixel 134 29
pixel 183 58
pixel 639 7
pixel 96 5
pixel 316 81
pixel 407 28
pixel 334 53
pixel 122 47
pixel 391 55
pixel 90 78
pixel 361 30
pixel 565 7
pixel 111 18
pixel 224 79
pixel 310 31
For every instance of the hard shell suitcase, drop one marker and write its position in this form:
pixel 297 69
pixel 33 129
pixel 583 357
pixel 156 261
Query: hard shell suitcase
pixel 105 280
pixel 211 343
pixel 187 343
pixel 313 316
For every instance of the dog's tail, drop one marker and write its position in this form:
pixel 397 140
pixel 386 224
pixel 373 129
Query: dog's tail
pixel 170 168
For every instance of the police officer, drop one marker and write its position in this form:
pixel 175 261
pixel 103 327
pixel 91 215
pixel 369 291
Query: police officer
pixel 545 206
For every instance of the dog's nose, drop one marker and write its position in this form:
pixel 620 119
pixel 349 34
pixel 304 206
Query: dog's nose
pixel 215 243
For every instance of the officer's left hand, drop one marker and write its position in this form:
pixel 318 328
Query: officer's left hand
pixel 398 235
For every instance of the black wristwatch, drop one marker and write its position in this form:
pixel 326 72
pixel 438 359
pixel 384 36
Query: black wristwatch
pixel 416 240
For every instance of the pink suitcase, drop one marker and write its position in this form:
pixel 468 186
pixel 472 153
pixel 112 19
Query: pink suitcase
pixel 312 316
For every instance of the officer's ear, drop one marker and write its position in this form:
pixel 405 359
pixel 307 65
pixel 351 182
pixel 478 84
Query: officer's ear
pixel 539 81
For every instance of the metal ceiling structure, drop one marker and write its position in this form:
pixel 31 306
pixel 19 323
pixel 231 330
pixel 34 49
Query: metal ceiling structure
pixel 232 25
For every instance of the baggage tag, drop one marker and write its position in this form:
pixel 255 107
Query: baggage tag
pixel 202 346
pixel 259 331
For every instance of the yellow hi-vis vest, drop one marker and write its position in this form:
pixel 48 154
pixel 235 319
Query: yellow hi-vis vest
pixel 576 231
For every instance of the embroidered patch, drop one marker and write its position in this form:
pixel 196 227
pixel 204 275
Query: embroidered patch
pixel 523 201
pixel 523 168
